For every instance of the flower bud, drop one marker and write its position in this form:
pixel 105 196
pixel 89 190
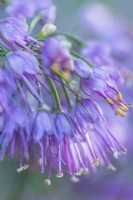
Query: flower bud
pixel 48 29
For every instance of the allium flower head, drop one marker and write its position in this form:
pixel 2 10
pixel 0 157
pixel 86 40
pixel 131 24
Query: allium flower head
pixel 49 97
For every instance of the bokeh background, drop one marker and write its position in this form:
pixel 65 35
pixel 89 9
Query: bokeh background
pixel 105 185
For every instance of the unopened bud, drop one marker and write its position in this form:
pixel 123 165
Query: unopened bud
pixel 48 29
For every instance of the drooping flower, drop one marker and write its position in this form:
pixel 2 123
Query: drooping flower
pixel 7 89
pixel 25 67
pixel 56 55
pixel 101 85
pixel 82 69
pixel 14 134
pixel 14 34
pixel 98 52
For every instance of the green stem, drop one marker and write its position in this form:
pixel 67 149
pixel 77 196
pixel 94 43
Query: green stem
pixel 40 94
pixel 60 74
pixel 55 94
pixel 71 37
pixel 76 55
pixel 39 36
pixel 67 96
pixel 34 22
pixel 3 49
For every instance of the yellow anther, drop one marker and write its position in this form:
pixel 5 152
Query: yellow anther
pixel 120 112
pixel 110 101
pixel 119 96
pixel 55 68
pixel 40 73
pixel 96 162
pixel 60 175
pixel 124 107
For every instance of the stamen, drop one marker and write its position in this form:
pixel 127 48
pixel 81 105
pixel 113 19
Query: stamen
pixel 116 154
pixel 19 170
pixel 41 160
pixel 109 100
pixel 22 168
pixel 48 182
pixel 124 107
pixel 26 166
pixel 120 112
pixel 68 160
pixel 123 150
pixel 60 175
pixel 96 162
pixel 119 96
pixel 79 173
pixel 85 171
pixel 82 171
pixel 40 73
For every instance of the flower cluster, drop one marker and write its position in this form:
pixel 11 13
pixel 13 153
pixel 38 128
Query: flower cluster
pixel 51 94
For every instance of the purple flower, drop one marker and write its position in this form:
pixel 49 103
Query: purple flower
pixel 91 121
pixel 7 89
pixel 109 28
pixel 30 8
pixel 25 67
pixel 82 69
pixel 102 85
pixel 99 53
pixel 21 9
pixel 14 34
pixel 56 55
pixel 14 133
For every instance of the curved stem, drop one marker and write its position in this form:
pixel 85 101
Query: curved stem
pixel 34 22
pixel 76 55
pixel 67 96
pixel 71 37
pixel 54 94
